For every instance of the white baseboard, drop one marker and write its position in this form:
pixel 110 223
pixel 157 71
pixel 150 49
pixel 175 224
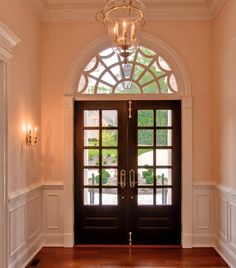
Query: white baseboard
pixel 53 240
pixel 187 240
pixel 203 240
pixel 68 240
pixel 226 253
pixel 27 255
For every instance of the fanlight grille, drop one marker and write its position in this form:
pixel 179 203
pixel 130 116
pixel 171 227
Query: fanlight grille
pixel 146 72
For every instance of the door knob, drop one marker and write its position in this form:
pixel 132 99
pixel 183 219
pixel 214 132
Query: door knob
pixel 132 178
pixel 122 178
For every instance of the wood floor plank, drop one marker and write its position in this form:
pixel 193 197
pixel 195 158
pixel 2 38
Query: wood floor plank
pixel 129 257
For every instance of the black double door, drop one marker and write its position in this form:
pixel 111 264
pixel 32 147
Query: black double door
pixel 128 172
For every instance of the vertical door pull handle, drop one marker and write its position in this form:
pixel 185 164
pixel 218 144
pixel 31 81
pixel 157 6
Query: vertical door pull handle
pixel 132 178
pixel 122 178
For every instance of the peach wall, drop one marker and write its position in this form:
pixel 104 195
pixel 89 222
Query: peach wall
pixel 63 41
pixel 24 91
pixel 225 94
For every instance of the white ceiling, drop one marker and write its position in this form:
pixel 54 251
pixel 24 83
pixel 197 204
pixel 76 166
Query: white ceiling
pixel 155 9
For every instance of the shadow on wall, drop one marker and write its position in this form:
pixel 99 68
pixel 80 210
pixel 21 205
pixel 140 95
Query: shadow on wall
pixel 47 159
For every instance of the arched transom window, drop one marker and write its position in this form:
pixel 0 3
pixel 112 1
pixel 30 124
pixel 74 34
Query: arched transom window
pixel 146 72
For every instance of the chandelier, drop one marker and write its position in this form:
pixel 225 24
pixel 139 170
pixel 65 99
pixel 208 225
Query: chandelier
pixel 123 19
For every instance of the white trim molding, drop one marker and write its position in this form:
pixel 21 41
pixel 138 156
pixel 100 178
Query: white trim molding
pixel 155 10
pixel 184 95
pixel 8 40
pixel 225 222
pixel 69 172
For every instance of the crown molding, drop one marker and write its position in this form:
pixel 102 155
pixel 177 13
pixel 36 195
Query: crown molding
pixel 216 7
pixel 158 10
pixel 39 6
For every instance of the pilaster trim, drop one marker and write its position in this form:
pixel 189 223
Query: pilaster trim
pixel 8 39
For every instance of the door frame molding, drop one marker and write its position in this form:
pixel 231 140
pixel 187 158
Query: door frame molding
pixel 184 95
pixel 8 40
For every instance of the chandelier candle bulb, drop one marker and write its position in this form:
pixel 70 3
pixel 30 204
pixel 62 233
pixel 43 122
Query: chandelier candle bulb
pixel 29 129
pixel 35 131
pixel 116 32
pixel 124 29
pixel 133 32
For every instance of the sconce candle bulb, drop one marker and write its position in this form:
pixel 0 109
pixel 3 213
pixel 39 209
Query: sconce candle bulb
pixel 30 139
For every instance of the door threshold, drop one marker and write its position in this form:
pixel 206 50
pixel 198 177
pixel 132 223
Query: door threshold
pixel 126 246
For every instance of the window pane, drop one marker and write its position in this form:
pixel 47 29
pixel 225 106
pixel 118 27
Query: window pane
pixel 109 137
pixel 91 157
pixel 91 118
pixel 109 196
pixel 145 176
pixel 91 196
pixel 164 137
pixel 145 196
pixel 164 176
pixel 109 118
pixel 145 137
pixel 145 157
pixel 145 118
pixel 109 157
pixel 91 176
pixel 109 176
pixel 91 138
pixel 163 157
pixel 163 118
pixel 164 196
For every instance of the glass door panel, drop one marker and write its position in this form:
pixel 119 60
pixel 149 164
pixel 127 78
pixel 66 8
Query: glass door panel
pixel 99 158
pixel 155 157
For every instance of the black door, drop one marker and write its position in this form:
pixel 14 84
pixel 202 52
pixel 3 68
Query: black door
pixel 128 172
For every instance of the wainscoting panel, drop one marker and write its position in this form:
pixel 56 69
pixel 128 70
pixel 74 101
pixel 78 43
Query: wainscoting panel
pixel 222 216
pixel 53 232
pixel 34 207
pixel 25 220
pixel 203 227
pixel 17 223
pixel 232 232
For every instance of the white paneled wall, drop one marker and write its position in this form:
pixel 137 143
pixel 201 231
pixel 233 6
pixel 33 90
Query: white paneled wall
pixel 225 239
pixel 25 220
pixel 36 220
pixel 53 227
pixel 214 220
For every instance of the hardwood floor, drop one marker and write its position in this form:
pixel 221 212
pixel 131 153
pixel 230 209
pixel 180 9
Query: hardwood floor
pixel 111 257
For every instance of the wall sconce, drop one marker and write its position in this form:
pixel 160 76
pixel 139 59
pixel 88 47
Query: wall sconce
pixel 30 138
